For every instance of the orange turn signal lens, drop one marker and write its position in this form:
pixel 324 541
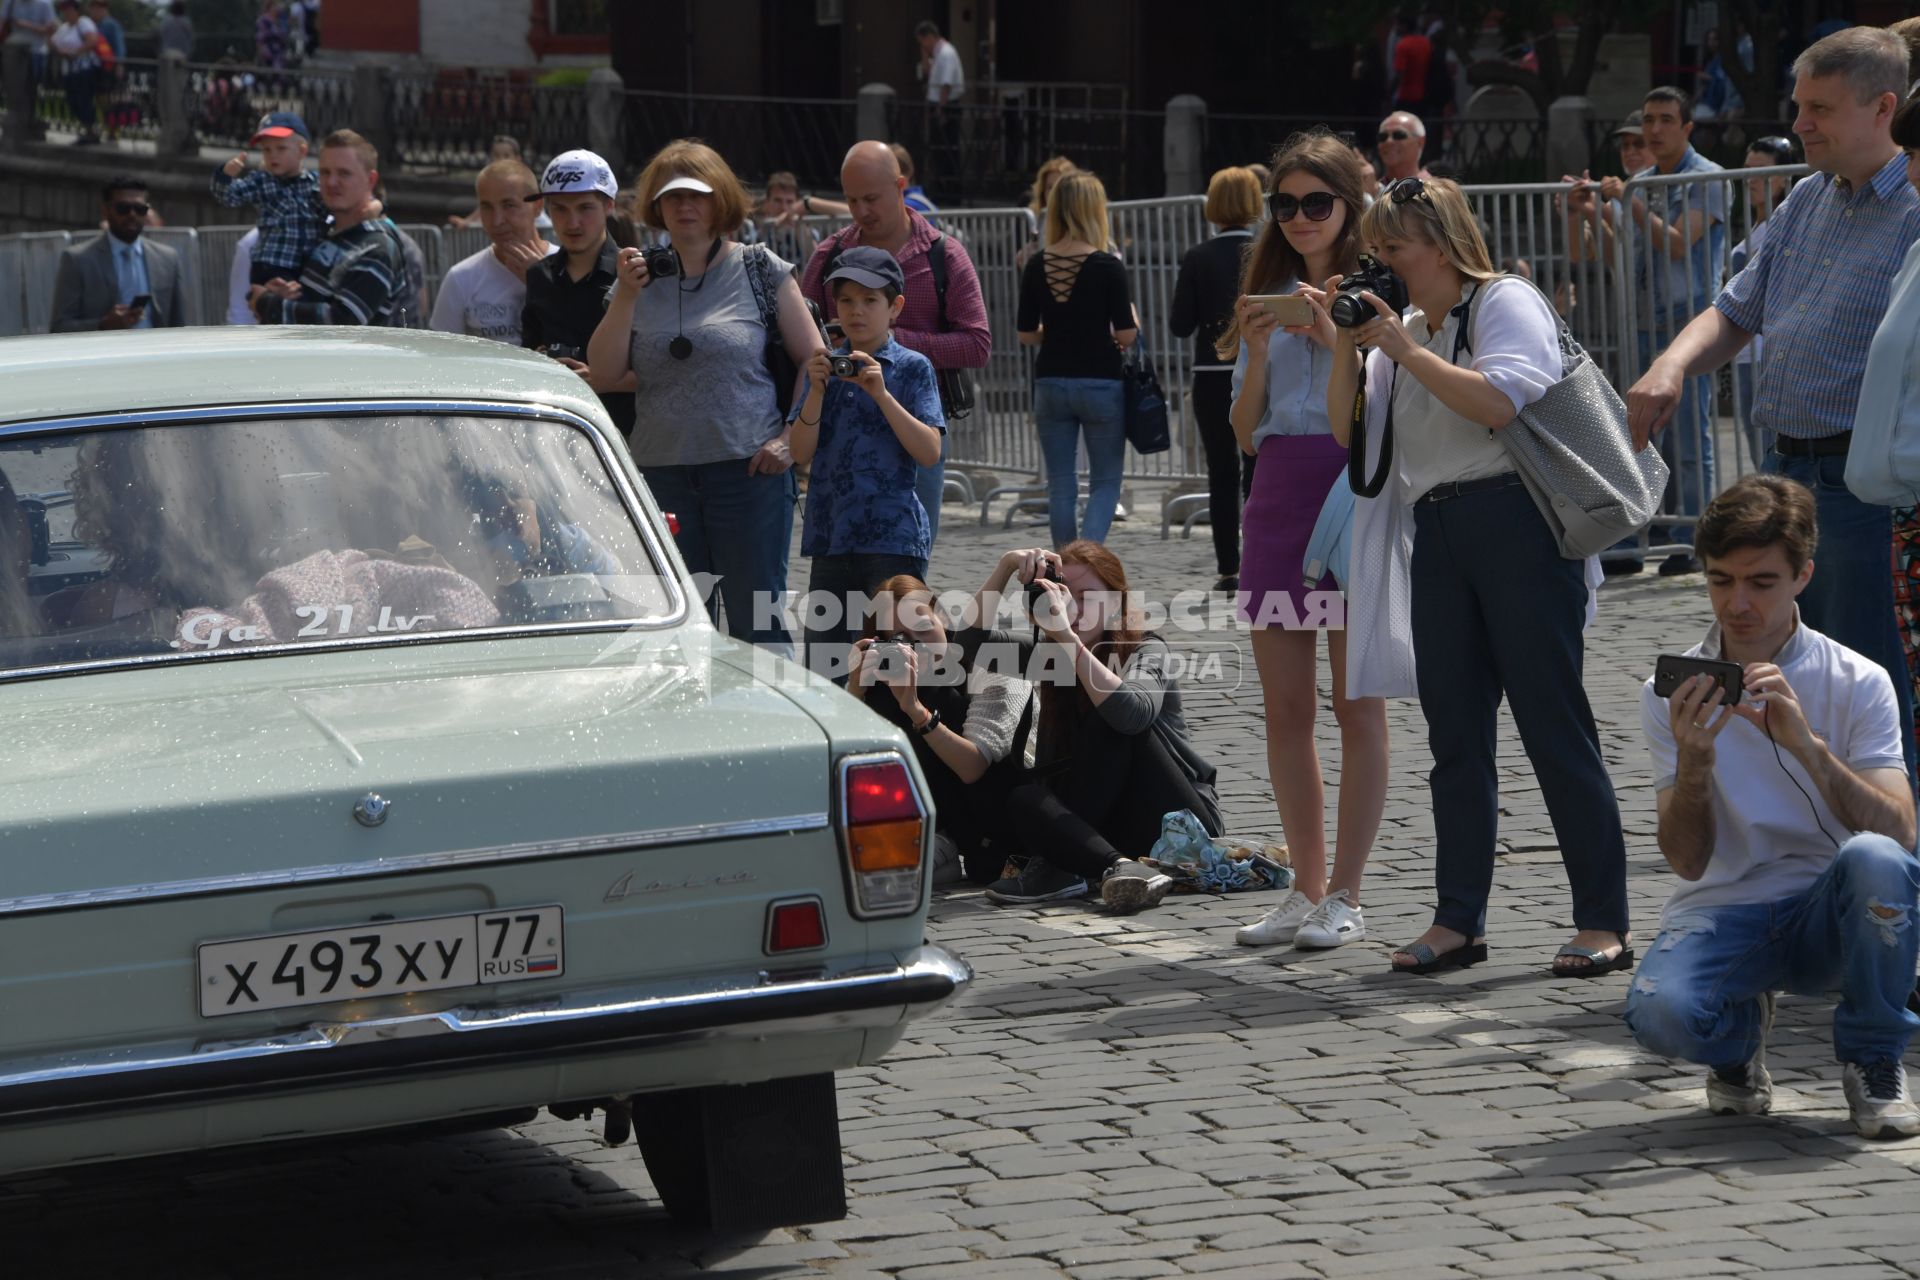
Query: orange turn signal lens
pixel 885 846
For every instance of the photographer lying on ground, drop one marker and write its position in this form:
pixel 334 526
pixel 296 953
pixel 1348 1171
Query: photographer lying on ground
pixel 1113 756
pixel 972 735
pixel 1772 899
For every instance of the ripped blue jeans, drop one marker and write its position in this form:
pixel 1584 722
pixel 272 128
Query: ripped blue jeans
pixel 1696 995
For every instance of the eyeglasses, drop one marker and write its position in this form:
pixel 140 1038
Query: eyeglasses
pixel 1777 147
pixel 1393 135
pixel 1317 205
pixel 132 206
pixel 1406 189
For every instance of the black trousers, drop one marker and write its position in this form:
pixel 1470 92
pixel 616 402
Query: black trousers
pixel 1105 801
pixel 1229 471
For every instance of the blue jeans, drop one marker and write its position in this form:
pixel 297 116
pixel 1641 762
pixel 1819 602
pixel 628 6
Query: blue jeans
pixel 930 486
pixel 1062 409
pixel 1697 994
pixel 737 528
pixel 1850 598
pixel 1687 442
pixel 831 632
pixel 1496 609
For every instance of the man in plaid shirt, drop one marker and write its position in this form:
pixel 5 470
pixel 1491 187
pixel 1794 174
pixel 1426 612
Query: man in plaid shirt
pixel 359 272
pixel 292 220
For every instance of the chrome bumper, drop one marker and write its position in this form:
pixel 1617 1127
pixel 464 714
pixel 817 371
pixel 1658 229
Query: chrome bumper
pixel 575 1024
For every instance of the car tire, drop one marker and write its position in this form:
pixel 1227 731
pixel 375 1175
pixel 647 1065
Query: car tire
pixel 745 1157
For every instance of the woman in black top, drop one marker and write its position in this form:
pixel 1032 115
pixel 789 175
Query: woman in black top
pixel 1203 301
pixel 1074 306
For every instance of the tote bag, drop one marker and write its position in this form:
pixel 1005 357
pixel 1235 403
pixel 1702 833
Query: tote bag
pixel 1147 429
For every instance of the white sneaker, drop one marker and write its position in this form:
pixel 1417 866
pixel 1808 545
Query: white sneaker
pixel 1878 1100
pixel 1334 923
pixel 1745 1090
pixel 1278 925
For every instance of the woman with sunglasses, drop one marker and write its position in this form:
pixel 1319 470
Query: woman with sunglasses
pixel 1763 197
pixel 1280 414
pixel 1495 607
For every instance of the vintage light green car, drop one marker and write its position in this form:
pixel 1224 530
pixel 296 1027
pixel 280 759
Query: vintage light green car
pixel 370 761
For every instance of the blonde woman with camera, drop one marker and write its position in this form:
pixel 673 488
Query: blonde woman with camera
pixel 1279 414
pixel 1495 608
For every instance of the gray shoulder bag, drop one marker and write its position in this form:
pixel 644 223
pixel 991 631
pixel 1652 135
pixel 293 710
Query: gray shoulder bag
pixel 1575 455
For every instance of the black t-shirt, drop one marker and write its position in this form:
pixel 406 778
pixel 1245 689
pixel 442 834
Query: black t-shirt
pixel 1077 338
pixel 561 311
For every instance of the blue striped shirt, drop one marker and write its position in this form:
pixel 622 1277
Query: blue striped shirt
pixel 1817 289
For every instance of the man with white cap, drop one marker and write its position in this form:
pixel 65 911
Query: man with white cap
pixel 567 292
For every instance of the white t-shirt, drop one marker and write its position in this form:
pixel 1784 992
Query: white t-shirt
pixel 240 280
pixel 482 299
pixel 1767 846
pixel 74 41
pixel 946 71
pixel 1515 344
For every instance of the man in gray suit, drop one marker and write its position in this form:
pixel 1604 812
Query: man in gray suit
pixel 120 280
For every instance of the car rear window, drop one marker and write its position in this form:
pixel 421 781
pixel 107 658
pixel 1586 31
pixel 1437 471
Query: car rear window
pixel 206 538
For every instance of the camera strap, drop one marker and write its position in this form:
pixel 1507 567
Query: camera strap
pixel 1357 479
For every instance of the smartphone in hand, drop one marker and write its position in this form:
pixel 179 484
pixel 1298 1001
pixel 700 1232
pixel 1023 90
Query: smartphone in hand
pixel 1670 671
pixel 1290 309
pixel 142 302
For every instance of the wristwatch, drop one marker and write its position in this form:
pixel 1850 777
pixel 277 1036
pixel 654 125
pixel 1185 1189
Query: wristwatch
pixel 933 722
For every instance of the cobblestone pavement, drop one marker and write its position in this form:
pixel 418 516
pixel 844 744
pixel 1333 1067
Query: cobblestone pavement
pixel 1122 1098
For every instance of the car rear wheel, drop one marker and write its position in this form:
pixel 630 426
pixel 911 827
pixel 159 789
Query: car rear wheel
pixel 745 1157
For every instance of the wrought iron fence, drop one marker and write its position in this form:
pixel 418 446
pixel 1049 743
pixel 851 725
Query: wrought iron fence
pixel 1479 150
pixel 988 150
pixel 448 118
pixel 225 100
pixel 803 136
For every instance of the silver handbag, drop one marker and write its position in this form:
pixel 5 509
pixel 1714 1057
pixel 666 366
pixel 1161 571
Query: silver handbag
pixel 1575 455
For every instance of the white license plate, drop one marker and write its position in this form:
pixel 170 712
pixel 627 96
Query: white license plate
pixel 385 958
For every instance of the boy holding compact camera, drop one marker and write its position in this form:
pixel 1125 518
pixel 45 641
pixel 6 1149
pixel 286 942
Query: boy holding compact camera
pixel 1809 887
pixel 870 417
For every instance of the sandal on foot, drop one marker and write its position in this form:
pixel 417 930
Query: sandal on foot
pixel 1427 960
pixel 1598 962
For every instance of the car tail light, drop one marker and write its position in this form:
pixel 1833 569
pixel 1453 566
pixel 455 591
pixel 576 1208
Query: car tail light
pixel 884 828
pixel 796 925
pixel 673 523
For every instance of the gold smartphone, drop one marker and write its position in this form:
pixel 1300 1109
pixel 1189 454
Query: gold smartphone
pixel 1291 309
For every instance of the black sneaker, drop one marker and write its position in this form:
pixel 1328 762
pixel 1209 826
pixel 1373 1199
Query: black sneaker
pixel 1227 584
pixel 1130 886
pixel 1679 563
pixel 1039 881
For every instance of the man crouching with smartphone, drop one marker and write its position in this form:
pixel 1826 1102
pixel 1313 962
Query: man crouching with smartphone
pixel 1786 812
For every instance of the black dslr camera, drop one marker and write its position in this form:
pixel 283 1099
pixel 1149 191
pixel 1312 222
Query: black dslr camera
pixel 661 260
pixel 1350 310
pixel 1035 592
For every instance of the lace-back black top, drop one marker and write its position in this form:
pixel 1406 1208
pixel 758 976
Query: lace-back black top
pixel 1077 301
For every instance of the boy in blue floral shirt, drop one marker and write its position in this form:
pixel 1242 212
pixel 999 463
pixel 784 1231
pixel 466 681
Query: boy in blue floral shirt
pixel 866 434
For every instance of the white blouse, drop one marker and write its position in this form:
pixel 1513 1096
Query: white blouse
pixel 1515 343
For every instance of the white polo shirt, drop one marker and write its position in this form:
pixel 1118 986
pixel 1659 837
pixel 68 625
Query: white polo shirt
pixel 946 71
pixel 482 299
pixel 1767 846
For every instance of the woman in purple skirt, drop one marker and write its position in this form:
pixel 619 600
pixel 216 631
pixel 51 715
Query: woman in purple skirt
pixel 1280 416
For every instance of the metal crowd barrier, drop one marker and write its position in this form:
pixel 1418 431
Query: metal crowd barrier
pixel 1593 268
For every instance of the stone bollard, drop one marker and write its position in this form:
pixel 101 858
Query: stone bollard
pixel 872 112
pixel 1569 149
pixel 174 104
pixel 1183 151
pixel 606 117
pixel 16 68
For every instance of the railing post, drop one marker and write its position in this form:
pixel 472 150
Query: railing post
pixel 173 104
pixel 16 65
pixel 1185 145
pixel 1568 148
pixel 371 89
pixel 606 117
pixel 871 112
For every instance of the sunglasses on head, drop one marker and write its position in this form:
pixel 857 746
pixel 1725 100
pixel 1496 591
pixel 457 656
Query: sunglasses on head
pixel 1777 147
pixel 1317 205
pixel 1406 189
pixel 132 206
pixel 1393 135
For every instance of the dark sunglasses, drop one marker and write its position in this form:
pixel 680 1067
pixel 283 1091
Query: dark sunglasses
pixel 1407 189
pixel 1395 135
pixel 1777 147
pixel 132 206
pixel 1317 205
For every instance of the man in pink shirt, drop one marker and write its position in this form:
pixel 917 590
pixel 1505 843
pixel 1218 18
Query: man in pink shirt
pixel 951 331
